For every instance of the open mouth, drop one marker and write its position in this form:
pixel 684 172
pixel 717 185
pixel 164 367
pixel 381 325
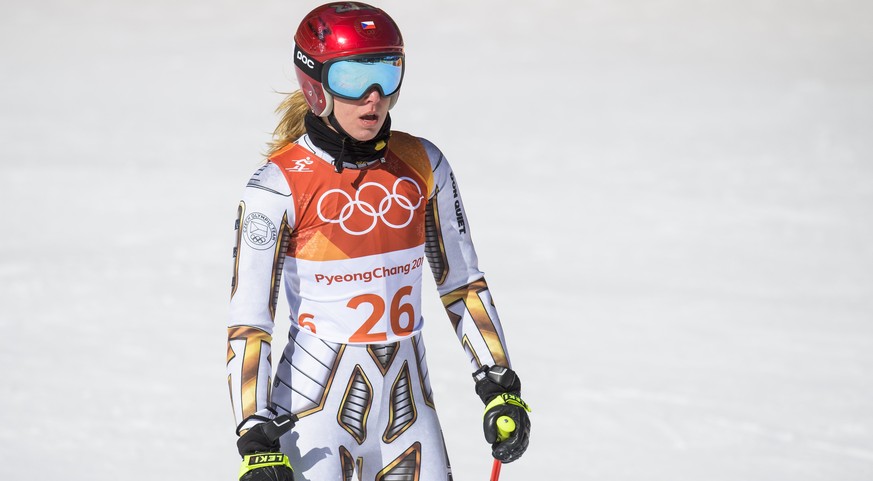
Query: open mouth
pixel 370 117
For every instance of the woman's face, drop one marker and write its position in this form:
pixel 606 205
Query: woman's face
pixel 362 118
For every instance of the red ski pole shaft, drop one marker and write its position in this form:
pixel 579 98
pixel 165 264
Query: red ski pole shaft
pixel 495 470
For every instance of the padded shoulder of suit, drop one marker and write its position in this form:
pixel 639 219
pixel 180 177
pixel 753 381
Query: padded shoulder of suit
pixel 411 151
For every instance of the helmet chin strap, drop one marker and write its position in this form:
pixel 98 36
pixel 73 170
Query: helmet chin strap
pixel 331 119
pixel 344 136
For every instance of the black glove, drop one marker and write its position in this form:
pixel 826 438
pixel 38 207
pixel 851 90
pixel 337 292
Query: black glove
pixel 506 423
pixel 262 458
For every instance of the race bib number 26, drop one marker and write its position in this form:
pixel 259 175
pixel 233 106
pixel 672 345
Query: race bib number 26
pixel 401 317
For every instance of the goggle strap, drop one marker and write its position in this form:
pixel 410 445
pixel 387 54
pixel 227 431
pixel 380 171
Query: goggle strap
pixel 312 67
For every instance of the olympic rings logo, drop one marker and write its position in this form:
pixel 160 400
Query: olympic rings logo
pixel 357 205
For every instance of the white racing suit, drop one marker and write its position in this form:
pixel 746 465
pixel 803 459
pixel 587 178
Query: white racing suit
pixel 349 248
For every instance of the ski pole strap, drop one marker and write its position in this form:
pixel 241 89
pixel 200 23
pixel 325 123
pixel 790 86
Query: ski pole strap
pixel 507 398
pixel 262 460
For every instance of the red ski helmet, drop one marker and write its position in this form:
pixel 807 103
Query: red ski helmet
pixel 348 35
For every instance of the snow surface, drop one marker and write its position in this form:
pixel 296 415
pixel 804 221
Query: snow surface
pixel 672 201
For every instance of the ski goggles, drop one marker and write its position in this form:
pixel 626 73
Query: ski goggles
pixel 352 77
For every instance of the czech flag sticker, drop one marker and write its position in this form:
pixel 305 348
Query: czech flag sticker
pixel 368 25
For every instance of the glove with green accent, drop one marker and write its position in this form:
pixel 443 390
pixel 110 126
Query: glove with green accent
pixel 260 449
pixel 506 423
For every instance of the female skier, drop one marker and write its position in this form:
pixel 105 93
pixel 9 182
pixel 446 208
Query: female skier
pixel 345 211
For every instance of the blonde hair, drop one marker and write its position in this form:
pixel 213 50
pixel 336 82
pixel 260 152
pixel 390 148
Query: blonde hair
pixel 291 127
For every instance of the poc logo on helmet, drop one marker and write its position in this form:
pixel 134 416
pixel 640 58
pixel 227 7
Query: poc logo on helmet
pixel 306 60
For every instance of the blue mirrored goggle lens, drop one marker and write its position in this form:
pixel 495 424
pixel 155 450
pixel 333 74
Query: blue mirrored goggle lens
pixel 352 78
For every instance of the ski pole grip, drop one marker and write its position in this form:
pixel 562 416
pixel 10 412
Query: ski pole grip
pixel 505 427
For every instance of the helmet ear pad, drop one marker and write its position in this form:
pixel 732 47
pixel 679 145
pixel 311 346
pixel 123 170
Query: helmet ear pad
pixel 319 101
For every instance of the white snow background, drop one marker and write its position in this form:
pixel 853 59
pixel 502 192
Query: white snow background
pixel 672 201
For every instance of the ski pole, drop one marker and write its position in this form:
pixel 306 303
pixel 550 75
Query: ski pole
pixel 505 427
pixel 495 470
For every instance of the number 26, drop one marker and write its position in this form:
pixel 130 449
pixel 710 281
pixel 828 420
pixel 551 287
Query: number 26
pixel 399 310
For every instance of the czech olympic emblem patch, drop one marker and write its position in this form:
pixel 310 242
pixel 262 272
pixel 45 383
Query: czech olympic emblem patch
pixel 259 231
